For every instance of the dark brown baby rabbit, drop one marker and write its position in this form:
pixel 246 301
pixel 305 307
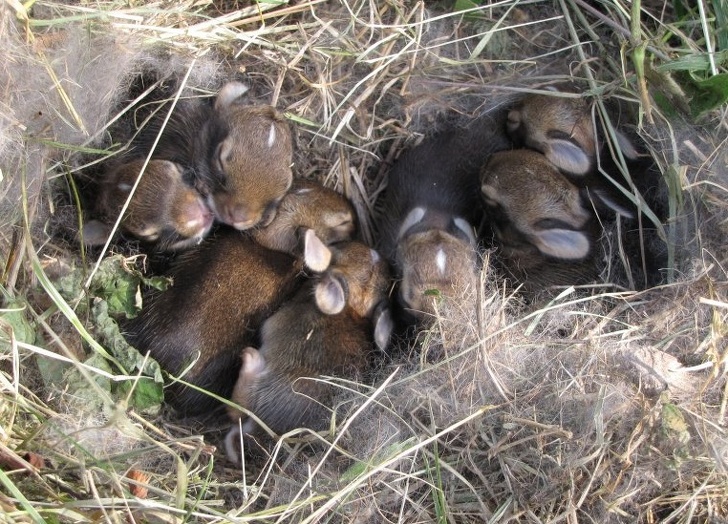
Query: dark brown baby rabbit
pixel 430 210
pixel 329 328
pixel 163 211
pixel 224 289
pixel 544 233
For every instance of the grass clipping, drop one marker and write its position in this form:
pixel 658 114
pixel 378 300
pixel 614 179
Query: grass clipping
pixel 606 406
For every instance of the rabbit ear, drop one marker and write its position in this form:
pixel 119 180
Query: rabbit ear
pixel 566 244
pixel 95 233
pixel 604 200
pixel 330 294
pixel 413 217
pixel 229 93
pixel 232 444
pixel 383 326
pixel 463 225
pixel 316 255
pixel 568 157
pixel 253 362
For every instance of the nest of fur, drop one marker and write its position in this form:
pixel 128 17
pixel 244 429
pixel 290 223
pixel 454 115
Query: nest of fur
pixel 600 405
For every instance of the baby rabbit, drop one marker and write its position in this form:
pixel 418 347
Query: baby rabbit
pixel 430 209
pixel 163 211
pixel 309 205
pixel 330 327
pixel 563 130
pixel 546 236
pixel 437 256
pixel 238 157
pixel 224 289
pixel 256 157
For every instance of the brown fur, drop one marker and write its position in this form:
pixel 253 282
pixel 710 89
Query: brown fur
pixel 237 156
pixel 223 291
pixel 312 206
pixel 545 235
pixel 436 261
pixel 561 128
pixel 328 328
pixel 256 157
pixel 164 211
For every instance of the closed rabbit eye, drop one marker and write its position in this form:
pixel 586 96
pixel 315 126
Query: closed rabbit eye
pixel 557 134
pixel 553 223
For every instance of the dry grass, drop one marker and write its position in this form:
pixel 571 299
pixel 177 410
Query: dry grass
pixel 603 405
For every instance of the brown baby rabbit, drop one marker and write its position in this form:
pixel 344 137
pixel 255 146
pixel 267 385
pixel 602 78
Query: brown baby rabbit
pixel 562 128
pixel 237 156
pixel 329 328
pixel 559 127
pixel 256 158
pixel 224 289
pixel 437 254
pixel 431 207
pixel 163 211
pixel 545 235
pixel 309 205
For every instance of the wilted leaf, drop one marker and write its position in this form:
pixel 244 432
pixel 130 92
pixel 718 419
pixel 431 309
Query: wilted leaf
pixel 117 281
pixel 139 477
pixel 82 390
pixel 110 335
pixel 118 284
pixel 148 392
pixel 673 423
pixel 34 459
pixel 52 371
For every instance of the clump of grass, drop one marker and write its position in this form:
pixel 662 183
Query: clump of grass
pixel 601 405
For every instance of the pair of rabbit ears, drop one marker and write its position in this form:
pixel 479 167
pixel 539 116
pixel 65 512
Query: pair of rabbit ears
pixel 332 292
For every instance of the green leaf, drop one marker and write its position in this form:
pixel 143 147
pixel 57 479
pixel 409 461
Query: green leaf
pixel 359 468
pixel 721 24
pixel 14 317
pixel 52 371
pixel 117 281
pixel 693 62
pixel 146 397
pixel 464 5
pixel 663 102
pixel 710 93
pixel 147 394
pixel 82 391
